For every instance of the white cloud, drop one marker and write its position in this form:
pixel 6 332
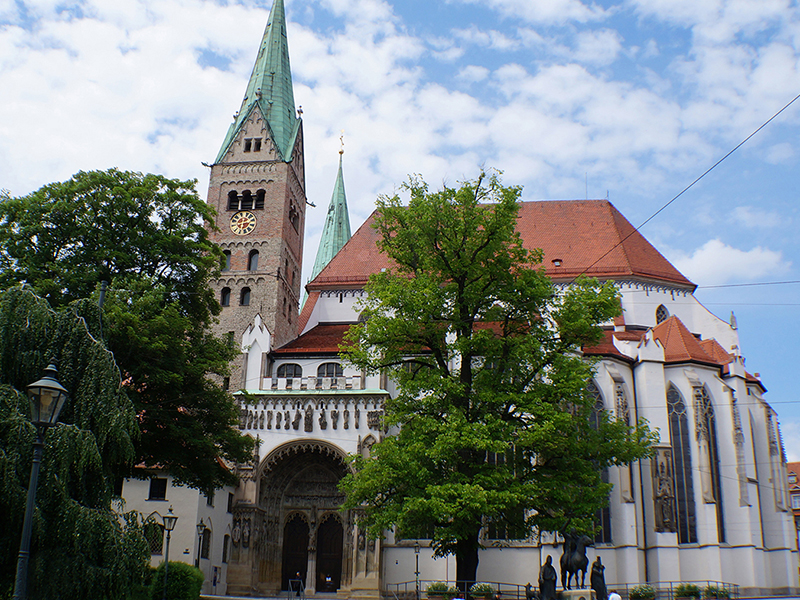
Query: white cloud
pixel 545 11
pixel 597 47
pixel 755 218
pixel 716 263
pixel 780 153
pixel 473 73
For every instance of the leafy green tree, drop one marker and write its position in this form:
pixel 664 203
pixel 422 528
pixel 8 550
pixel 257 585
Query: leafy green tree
pixel 491 422
pixel 80 548
pixel 145 235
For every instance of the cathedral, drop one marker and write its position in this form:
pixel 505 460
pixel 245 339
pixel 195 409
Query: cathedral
pixel 711 505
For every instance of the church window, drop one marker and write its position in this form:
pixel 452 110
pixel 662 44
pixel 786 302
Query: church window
pixel 708 433
pixel 257 145
pixel 680 436
pixel 244 297
pixel 226 383
pixel 252 261
pixel 226 260
pixel 247 200
pixel 795 501
pixel 602 518
pixel 158 488
pixel 210 499
pixel 205 543
pixel 330 369
pixel 226 542
pixel 662 314
pixel 225 296
pixel 259 204
pixel 290 370
pixel 233 200
pixel 154 535
pixel 248 144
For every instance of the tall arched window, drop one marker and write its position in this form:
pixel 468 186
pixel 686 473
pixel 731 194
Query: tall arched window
pixel 247 200
pixel 708 435
pixel 260 195
pixel 153 535
pixel 679 437
pixel 330 369
pixel 244 297
pixel 602 517
pixel 226 260
pixel 252 260
pixel 290 370
pixel 233 200
pixel 225 296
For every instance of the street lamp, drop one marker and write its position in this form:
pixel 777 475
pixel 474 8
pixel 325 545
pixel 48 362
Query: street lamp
pixel 47 397
pixel 169 525
pixel 416 572
pixel 201 527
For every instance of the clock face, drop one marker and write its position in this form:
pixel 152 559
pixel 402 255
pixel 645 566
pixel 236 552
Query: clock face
pixel 243 222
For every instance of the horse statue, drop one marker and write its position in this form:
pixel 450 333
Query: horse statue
pixel 574 559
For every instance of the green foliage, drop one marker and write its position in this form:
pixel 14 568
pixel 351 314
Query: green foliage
pixel 440 590
pixel 145 235
pixel 642 592
pixel 184 582
pixel 687 590
pixel 80 547
pixel 491 420
pixel 713 591
pixel 481 589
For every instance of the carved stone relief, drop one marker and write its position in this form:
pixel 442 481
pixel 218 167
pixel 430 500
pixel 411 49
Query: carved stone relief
pixel 663 490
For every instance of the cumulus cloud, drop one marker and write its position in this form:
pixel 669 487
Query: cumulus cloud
pixel 756 218
pixel 716 263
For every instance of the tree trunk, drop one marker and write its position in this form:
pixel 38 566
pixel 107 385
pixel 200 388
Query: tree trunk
pixel 467 561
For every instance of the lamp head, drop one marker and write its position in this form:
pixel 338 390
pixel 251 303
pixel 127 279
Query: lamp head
pixel 169 520
pixel 47 397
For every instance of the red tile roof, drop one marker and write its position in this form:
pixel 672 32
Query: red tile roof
pixel 679 343
pixel 324 338
pixel 585 236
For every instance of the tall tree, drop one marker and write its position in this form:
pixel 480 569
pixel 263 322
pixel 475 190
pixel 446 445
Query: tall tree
pixel 491 421
pixel 147 236
pixel 81 548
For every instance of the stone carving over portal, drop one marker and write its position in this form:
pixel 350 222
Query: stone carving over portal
pixel 309 420
pixel 663 490
pixel 375 419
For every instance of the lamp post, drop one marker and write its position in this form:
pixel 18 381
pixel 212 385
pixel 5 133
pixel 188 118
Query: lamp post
pixel 169 525
pixel 47 397
pixel 201 527
pixel 416 572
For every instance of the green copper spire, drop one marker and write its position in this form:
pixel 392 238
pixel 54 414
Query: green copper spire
pixel 270 88
pixel 336 231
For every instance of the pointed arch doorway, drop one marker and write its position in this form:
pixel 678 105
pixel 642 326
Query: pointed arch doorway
pixel 330 541
pixel 295 551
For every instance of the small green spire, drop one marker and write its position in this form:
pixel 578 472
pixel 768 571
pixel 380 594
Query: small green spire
pixel 270 88
pixel 336 231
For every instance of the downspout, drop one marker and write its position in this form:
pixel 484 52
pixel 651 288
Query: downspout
pixel 641 484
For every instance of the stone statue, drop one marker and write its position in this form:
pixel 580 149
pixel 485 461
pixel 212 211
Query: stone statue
pixel 529 593
pixel 598 579
pixel 547 580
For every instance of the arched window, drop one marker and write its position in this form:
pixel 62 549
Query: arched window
pixel 290 370
pixel 679 437
pixel 154 534
pixel 233 200
pixel 662 314
pixel 226 260
pixel 244 297
pixel 708 434
pixel 260 194
pixel 225 296
pixel 252 260
pixel 602 517
pixel 330 369
pixel 205 543
pixel 247 200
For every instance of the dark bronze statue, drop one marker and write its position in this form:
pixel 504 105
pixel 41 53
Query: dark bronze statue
pixel 547 580
pixel 529 593
pixel 574 559
pixel 598 579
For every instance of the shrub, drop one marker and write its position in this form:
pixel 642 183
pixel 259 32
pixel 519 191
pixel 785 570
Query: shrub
pixel 687 590
pixel 440 590
pixel 482 589
pixel 183 582
pixel 642 592
pixel 713 591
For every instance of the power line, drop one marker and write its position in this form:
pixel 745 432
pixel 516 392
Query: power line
pixel 684 190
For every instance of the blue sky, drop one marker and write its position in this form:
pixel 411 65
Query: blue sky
pixel 629 99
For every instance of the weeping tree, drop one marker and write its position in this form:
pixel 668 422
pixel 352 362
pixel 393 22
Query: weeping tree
pixel 491 424
pixel 81 547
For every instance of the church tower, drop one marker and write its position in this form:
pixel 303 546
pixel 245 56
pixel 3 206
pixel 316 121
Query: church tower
pixel 257 187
